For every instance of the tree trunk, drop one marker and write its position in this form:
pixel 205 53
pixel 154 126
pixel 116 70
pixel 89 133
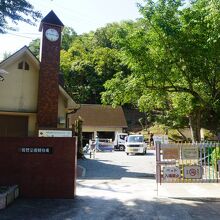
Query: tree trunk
pixel 195 125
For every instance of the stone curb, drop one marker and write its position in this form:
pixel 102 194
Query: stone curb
pixel 199 199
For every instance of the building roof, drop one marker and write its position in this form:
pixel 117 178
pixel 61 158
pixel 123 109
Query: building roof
pixel 51 18
pixel 22 52
pixel 25 51
pixel 100 115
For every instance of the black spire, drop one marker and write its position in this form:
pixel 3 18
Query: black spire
pixel 51 18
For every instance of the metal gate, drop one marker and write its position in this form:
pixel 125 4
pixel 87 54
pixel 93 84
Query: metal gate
pixel 187 162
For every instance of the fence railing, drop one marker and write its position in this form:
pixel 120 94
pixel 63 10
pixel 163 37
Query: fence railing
pixel 188 162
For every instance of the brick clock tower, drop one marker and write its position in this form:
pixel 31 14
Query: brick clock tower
pixel 51 28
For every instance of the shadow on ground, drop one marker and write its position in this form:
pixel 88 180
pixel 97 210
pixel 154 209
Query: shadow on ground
pixel 86 207
pixel 101 169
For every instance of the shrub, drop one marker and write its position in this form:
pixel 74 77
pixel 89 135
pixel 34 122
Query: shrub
pixel 215 156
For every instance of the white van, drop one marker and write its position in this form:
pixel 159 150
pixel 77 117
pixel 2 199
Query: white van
pixel 135 144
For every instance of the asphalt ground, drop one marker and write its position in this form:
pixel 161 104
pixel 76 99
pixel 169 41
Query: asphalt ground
pixel 117 165
pixel 114 186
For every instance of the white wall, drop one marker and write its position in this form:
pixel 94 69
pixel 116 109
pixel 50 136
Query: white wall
pixel 19 90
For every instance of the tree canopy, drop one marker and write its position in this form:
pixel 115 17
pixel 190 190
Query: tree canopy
pixel 91 60
pixel 167 62
pixel 15 11
pixel 174 62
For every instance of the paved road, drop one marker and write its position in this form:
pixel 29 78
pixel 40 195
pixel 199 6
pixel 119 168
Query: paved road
pixel 115 186
pixel 117 165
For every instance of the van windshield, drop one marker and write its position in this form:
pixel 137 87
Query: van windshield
pixel 135 139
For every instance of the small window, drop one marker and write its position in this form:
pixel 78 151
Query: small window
pixel 23 65
pixel 20 65
pixel 26 66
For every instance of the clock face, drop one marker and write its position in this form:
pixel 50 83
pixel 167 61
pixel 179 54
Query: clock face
pixel 52 34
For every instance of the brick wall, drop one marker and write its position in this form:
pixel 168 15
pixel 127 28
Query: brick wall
pixel 37 174
pixel 48 81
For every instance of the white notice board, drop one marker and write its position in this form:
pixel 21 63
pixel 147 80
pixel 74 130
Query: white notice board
pixel 190 152
pixel 54 133
pixel 192 172
pixel 163 139
pixel 171 172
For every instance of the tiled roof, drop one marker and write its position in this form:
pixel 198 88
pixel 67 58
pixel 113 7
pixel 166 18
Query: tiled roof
pixel 100 115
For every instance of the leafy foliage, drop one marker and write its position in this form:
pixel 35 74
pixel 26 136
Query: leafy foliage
pixel 167 62
pixel 91 60
pixel 34 46
pixel 68 36
pixel 174 60
pixel 16 10
pixel 215 156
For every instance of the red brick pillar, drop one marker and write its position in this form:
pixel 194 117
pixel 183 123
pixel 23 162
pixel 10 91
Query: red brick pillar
pixel 49 69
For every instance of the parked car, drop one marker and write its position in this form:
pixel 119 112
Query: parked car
pixel 135 144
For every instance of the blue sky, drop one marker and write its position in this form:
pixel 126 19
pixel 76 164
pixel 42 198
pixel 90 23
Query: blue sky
pixel 82 15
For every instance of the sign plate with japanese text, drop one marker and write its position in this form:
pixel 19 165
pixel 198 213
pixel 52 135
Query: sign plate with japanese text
pixel 55 133
pixel 35 150
pixel 171 172
pixel 190 153
pixel 171 153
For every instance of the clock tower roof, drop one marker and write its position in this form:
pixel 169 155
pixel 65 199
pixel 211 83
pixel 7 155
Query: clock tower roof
pixel 51 18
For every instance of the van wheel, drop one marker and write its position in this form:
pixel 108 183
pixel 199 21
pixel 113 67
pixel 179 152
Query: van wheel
pixel 127 153
pixel 121 148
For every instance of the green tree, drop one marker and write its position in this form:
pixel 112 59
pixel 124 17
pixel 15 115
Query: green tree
pixel 79 74
pixel 174 60
pixel 16 10
pixel 92 59
pixel 68 36
pixel 34 46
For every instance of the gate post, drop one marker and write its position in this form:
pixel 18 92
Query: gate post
pixel 158 162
